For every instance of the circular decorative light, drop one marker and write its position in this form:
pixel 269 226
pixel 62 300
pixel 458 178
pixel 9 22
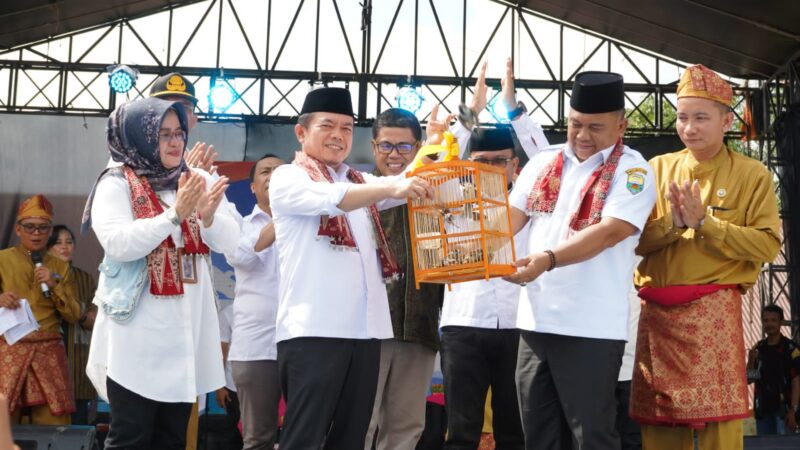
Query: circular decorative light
pixel 409 98
pixel 122 78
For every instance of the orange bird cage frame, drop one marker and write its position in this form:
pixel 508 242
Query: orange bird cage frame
pixel 464 233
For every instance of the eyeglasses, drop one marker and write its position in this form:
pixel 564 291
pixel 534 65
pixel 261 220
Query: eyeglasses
pixel 387 147
pixel 179 136
pixel 499 162
pixel 31 228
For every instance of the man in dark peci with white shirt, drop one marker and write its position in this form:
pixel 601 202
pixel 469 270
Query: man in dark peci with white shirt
pixel 334 260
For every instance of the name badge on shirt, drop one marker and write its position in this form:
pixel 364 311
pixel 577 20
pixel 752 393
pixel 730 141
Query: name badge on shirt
pixel 188 266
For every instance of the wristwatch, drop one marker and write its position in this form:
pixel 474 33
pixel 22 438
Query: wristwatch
pixel 467 116
pixel 172 216
pixel 518 111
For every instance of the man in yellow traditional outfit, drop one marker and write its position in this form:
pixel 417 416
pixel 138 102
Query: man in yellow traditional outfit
pixel 33 371
pixel 714 224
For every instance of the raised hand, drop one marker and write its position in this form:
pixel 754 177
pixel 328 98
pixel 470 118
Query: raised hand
pixel 210 200
pixel 478 102
pixel 507 94
pixel 202 157
pixel 190 187
pixel 435 129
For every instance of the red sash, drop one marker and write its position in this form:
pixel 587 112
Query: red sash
pixel 162 262
pixel 678 295
pixel 337 229
pixel 544 195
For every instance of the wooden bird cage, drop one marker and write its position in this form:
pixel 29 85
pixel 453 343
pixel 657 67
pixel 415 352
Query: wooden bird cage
pixel 464 233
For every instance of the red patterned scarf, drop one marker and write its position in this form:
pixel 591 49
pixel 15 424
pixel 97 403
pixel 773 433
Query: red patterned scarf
pixel 162 263
pixel 544 195
pixel 337 229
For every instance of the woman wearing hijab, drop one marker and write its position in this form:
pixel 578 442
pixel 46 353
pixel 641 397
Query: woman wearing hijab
pixel 155 345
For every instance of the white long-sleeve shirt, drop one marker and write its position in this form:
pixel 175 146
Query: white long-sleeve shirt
pixel 590 298
pixel 326 291
pixel 491 303
pixel 255 306
pixel 169 350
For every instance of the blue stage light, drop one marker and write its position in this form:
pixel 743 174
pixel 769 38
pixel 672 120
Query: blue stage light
pixel 497 108
pixel 122 78
pixel 221 96
pixel 409 98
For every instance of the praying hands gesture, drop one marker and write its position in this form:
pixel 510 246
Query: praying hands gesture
pixel 686 204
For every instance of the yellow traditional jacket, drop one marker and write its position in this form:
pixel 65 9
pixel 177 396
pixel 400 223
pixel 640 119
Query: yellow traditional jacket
pixel 741 229
pixel 16 275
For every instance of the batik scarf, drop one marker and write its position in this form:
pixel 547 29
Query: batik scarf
pixel 163 264
pixel 337 229
pixel 544 195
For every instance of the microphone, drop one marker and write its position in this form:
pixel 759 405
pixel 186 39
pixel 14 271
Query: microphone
pixel 36 257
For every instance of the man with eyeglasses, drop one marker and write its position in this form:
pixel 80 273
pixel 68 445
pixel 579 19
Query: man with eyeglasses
pixel 33 371
pixel 479 335
pixel 407 360
pixel 479 343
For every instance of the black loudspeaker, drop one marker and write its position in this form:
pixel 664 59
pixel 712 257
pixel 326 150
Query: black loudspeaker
pixel 27 445
pixel 44 437
pixel 787 442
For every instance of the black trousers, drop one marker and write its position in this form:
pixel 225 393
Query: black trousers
pixel 566 389
pixel 232 416
pixel 141 423
pixel 474 359
pixel 630 433
pixel 329 385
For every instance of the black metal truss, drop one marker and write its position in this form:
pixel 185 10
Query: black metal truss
pixel 781 281
pixel 55 80
pixel 547 97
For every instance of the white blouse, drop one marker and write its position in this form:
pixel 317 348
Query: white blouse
pixel 170 349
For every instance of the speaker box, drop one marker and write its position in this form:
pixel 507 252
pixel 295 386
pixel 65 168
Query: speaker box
pixel 44 437
pixel 787 442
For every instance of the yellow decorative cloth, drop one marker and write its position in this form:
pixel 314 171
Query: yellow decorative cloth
pixel 700 81
pixel 34 372
pixel 37 206
pixel 741 229
pixel 690 363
